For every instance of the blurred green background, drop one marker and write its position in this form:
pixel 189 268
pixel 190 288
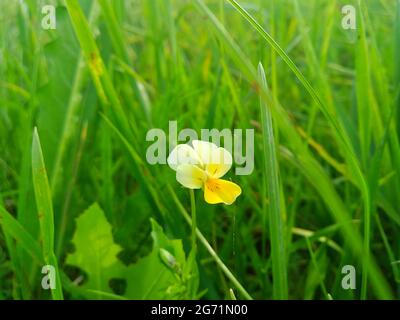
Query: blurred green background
pixel 113 69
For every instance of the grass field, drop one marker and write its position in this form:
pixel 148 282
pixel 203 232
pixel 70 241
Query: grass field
pixel 81 208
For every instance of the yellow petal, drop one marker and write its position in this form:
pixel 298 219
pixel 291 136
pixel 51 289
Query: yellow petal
pixel 182 154
pixel 221 191
pixel 221 162
pixel 210 196
pixel 190 176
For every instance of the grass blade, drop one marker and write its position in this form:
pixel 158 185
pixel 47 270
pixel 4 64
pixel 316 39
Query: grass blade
pixel 271 173
pixel 17 231
pixel 311 168
pixel 45 211
pixel 100 76
pixel 343 139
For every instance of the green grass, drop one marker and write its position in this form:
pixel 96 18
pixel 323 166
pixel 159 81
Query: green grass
pixel 45 211
pixel 274 212
pixel 323 102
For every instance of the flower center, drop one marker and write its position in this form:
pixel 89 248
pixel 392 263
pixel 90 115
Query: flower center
pixel 213 185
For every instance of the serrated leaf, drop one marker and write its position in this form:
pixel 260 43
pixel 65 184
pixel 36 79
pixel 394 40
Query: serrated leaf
pixel 95 250
pixel 150 278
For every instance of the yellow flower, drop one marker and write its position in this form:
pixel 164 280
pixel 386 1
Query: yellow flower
pixel 202 166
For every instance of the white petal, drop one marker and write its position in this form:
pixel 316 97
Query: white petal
pixel 190 176
pixel 204 150
pixel 221 162
pixel 182 154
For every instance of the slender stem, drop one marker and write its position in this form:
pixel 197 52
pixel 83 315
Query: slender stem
pixel 194 220
pixel 314 262
pixel 210 250
pixel 223 267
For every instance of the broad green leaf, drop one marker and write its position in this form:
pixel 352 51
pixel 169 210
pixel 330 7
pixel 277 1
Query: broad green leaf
pixel 95 250
pixel 164 273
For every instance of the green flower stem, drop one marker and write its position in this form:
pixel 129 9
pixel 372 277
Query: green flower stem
pixel 210 250
pixel 194 224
